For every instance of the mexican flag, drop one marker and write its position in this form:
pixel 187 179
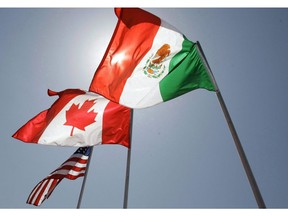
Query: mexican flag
pixel 148 62
pixel 78 118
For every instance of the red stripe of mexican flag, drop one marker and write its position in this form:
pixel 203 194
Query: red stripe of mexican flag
pixel 148 62
pixel 78 118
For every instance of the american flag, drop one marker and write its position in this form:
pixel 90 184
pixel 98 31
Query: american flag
pixel 72 168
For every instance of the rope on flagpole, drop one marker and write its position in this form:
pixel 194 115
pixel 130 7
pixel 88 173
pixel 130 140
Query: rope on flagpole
pixel 84 179
pixel 125 203
pixel 234 134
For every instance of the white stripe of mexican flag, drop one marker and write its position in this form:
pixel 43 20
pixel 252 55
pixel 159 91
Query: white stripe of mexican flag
pixel 142 89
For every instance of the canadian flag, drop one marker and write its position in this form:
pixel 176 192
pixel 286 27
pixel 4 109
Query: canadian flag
pixel 78 118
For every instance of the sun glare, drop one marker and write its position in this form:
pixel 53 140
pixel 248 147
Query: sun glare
pixel 118 58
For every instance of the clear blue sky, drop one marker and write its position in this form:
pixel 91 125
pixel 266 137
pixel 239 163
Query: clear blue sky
pixel 183 155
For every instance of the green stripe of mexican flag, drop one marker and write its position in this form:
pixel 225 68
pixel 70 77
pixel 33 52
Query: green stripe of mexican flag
pixel 148 62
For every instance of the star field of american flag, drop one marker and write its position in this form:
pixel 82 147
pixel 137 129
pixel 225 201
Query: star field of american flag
pixel 83 150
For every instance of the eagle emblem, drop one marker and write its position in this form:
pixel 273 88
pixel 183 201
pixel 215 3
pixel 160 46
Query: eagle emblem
pixel 153 67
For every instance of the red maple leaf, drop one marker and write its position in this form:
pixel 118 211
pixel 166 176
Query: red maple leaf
pixel 80 117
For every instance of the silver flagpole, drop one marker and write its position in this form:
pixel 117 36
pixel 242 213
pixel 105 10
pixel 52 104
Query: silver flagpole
pixel 237 142
pixel 84 179
pixel 125 203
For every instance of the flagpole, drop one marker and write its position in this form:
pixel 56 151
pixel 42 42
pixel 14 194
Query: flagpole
pixel 84 180
pixel 125 203
pixel 234 134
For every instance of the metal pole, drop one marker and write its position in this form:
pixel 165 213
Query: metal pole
pixel 234 134
pixel 125 203
pixel 84 180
